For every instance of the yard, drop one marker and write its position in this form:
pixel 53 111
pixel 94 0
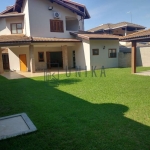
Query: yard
pixel 82 113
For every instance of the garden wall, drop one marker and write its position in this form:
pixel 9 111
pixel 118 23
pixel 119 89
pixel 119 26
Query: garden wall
pixel 142 55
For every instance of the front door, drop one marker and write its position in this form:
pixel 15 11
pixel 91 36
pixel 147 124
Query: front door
pixel 5 61
pixel 23 62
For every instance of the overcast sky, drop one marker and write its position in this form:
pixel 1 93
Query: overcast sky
pixel 110 11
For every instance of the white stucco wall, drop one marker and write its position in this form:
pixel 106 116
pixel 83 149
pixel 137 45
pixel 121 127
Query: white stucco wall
pixel 25 10
pixel 102 59
pixel 70 55
pixel 11 20
pixel 143 56
pixel 14 61
pixel 3 28
pixel 40 18
pixel 5 24
pixel 83 55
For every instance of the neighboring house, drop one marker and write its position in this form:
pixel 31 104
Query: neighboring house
pixel 121 28
pixel 42 34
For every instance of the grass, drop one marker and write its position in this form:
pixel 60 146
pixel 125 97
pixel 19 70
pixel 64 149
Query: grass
pixel 86 113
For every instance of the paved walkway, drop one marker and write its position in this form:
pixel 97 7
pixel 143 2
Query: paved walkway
pixel 144 73
pixel 18 75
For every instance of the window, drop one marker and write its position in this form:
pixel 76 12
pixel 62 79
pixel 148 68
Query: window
pixel 95 51
pixel 56 26
pixel 72 24
pixel 16 28
pixel 41 56
pixel 112 53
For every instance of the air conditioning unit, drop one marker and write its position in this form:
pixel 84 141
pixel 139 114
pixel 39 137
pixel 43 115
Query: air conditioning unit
pixel 57 15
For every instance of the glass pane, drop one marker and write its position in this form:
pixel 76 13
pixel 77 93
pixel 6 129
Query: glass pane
pixel 19 31
pixel 41 57
pixel 19 26
pixel 14 31
pixel 114 51
pixel 109 53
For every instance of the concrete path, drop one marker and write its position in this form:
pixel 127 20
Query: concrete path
pixel 144 73
pixel 18 75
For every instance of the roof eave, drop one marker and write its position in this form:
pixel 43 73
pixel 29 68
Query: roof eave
pixel 7 10
pixel 11 15
pixel 135 39
pixel 69 7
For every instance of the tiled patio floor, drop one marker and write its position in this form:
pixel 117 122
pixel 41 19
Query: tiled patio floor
pixel 18 75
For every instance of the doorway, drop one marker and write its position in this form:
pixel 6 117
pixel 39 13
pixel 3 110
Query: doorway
pixel 5 58
pixel 54 59
pixel 23 62
pixel 74 59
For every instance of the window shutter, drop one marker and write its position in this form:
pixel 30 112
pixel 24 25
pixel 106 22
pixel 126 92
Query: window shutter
pixel 61 26
pixel 51 25
pixel 56 26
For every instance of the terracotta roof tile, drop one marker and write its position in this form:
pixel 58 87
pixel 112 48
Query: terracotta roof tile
pixel 97 36
pixel 101 27
pixel 14 38
pixel 140 34
pixel 117 25
pixel 23 38
pixel 10 9
pixel 42 39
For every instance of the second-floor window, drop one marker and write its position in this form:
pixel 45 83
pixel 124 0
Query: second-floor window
pixel 56 26
pixel 16 28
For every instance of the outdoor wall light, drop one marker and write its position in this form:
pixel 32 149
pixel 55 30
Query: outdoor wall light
pixel 104 47
pixel 50 8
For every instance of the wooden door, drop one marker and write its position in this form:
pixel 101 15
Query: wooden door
pixel 23 62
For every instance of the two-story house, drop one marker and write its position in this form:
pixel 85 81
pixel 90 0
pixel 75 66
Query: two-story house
pixel 42 34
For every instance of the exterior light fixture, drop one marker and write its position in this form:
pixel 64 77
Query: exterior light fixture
pixel 104 47
pixel 50 8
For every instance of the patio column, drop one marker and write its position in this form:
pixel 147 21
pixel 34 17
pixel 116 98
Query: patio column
pixel 1 62
pixel 32 59
pixel 133 57
pixel 65 56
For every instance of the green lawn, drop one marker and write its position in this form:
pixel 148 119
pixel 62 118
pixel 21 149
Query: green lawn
pixel 87 113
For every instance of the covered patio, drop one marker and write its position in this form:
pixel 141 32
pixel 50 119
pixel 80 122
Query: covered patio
pixel 141 36
pixel 37 52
